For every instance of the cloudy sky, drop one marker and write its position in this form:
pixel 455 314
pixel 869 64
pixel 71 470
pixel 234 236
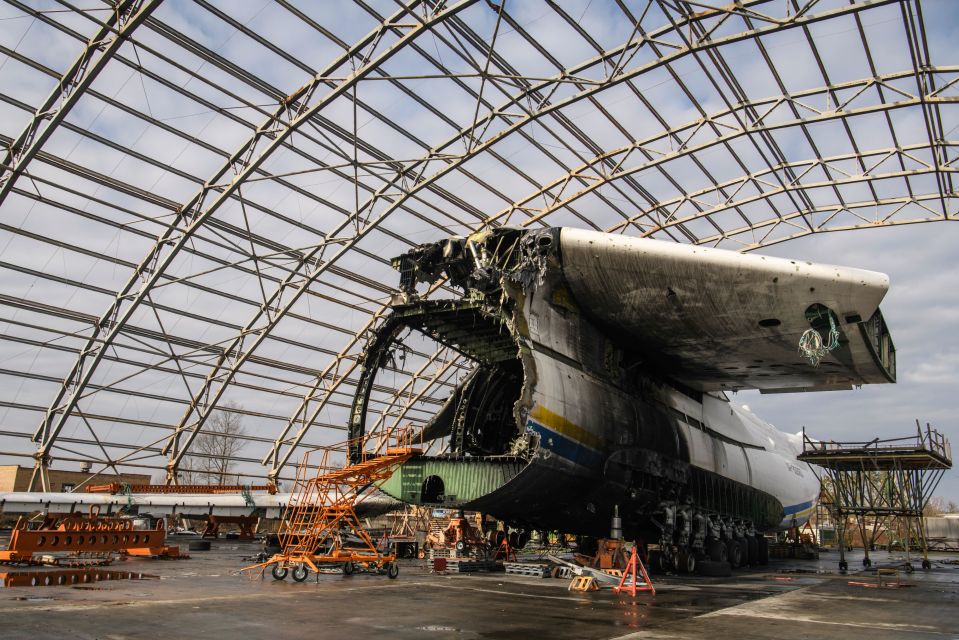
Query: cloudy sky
pixel 163 116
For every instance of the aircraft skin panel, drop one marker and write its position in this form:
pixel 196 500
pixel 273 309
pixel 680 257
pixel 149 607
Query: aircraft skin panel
pixel 718 319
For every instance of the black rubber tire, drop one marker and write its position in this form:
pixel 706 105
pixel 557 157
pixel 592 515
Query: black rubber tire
pixel 392 570
pixel 752 550
pixel 279 572
pixel 199 545
pixel 714 569
pixel 743 552
pixel 460 545
pixel 866 562
pixel 734 553
pixel 717 551
pixel 655 561
pixel 348 569
pixel 762 550
pixel 689 564
pixel 926 564
pixel 843 566
pixel 301 572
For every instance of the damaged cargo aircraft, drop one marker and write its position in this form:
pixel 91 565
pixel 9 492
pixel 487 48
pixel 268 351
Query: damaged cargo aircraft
pixel 601 365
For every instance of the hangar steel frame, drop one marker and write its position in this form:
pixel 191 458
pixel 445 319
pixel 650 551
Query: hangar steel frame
pixel 199 200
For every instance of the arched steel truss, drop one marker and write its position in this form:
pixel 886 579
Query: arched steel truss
pixel 253 271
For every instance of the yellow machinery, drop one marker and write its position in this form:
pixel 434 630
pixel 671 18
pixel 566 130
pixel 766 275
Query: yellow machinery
pixel 320 525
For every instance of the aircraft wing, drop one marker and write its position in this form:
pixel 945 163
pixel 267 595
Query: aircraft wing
pixel 722 320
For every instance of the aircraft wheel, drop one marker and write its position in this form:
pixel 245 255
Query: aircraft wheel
pixel 348 569
pixel 752 550
pixel 734 553
pixel 762 549
pixel 392 570
pixel 279 572
pixel 300 572
pixel 714 569
pixel 717 551
pixel 690 564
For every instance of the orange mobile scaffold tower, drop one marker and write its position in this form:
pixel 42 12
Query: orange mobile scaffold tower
pixel 320 525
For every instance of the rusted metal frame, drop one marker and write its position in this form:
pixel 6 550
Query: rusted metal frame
pixel 809 138
pixel 449 367
pixel 686 150
pixel 902 202
pixel 330 373
pixel 825 76
pixel 440 354
pixel 464 55
pixel 450 166
pixel 853 8
pixel 919 52
pixel 187 221
pixel 561 118
pixel 705 120
pixel 216 224
pixel 229 68
pixel 610 164
pixel 196 347
pixel 332 146
pixel 123 20
pixel 835 182
pixel 740 97
pixel 314 256
pixel 803 166
pixel 184 175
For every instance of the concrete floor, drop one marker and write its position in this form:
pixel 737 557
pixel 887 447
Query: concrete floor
pixel 205 598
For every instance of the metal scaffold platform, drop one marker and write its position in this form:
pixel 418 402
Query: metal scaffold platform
pixel 881 487
pixel 320 526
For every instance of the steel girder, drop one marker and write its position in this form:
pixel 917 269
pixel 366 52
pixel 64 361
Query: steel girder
pixel 510 104
pixel 124 18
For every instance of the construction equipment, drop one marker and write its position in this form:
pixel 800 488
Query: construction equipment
pixel 881 485
pixel 86 534
pixel 320 525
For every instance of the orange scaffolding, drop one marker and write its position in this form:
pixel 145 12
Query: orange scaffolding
pixel 320 525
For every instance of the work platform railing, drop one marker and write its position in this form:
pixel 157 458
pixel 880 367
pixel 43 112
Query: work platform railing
pixel 320 525
pixel 881 485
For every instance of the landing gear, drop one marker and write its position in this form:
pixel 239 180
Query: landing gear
pixel 762 549
pixel 717 551
pixel 300 572
pixel 734 552
pixel 279 572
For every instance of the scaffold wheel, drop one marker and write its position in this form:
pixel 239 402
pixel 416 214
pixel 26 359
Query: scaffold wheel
pixel 392 570
pixel 279 572
pixel 300 572
pixel 348 569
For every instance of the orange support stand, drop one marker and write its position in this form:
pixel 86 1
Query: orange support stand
pixel 634 568
pixel 505 551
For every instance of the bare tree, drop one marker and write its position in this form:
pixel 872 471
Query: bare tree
pixel 215 447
